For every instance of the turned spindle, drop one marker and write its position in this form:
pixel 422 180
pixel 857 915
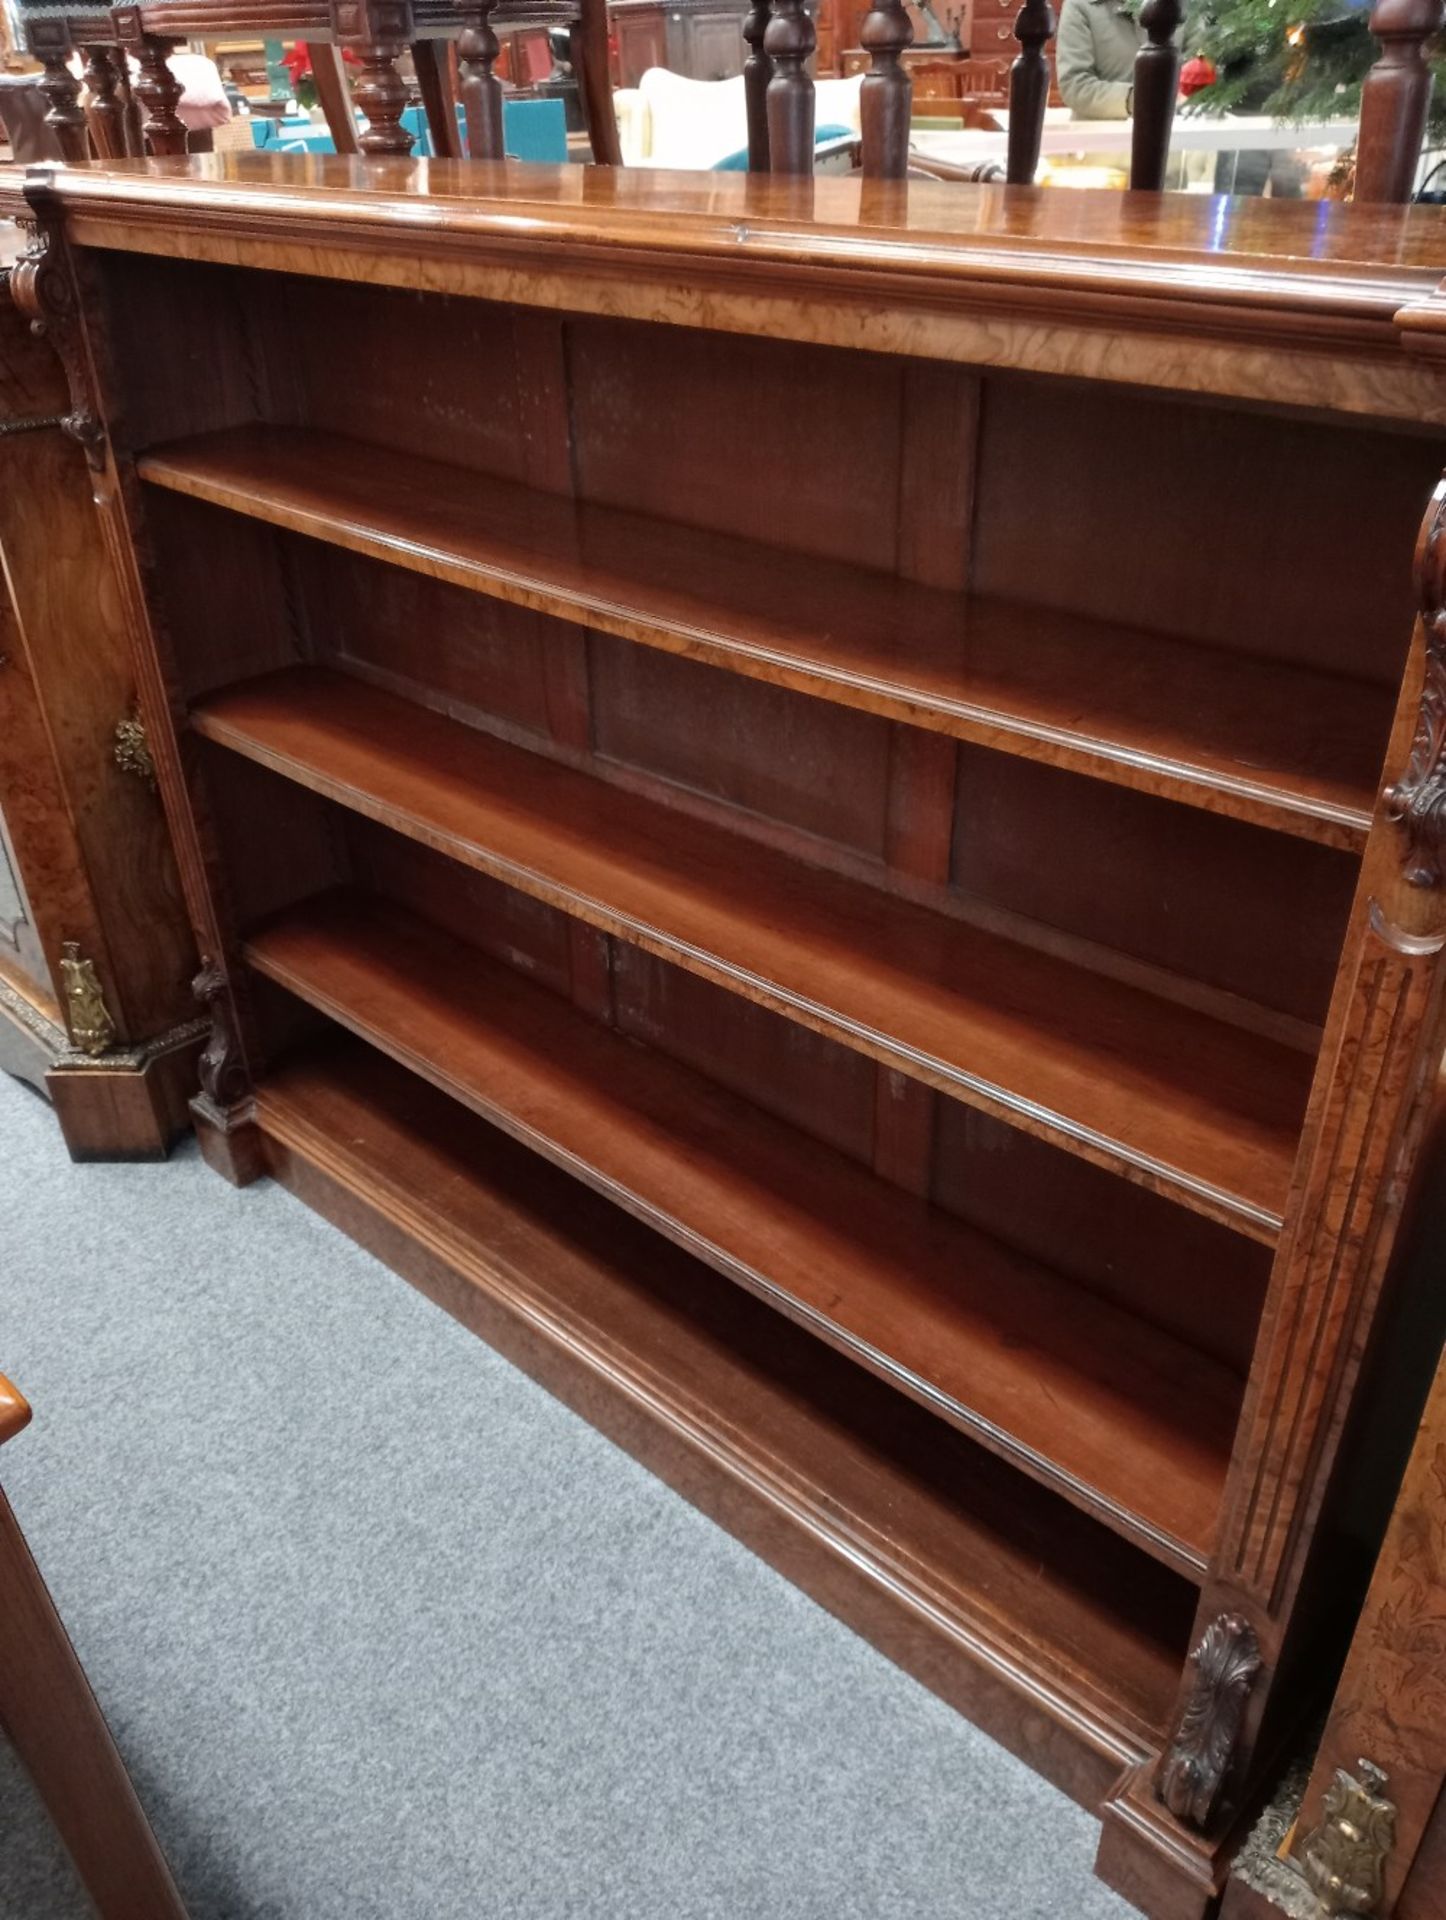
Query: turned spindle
pixel 887 95
pixel 50 44
pixel 133 135
pixel 160 91
pixel 378 32
pixel 477 48
pixel 588 43
pixel 1157 79
pixel 1028 91
pixel 107 116
pixel 1396 99
pixel 789 43
pixel 757 72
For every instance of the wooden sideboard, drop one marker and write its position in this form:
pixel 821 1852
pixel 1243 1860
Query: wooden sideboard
pixel 96 956
pixel 699 38
pixel 830 832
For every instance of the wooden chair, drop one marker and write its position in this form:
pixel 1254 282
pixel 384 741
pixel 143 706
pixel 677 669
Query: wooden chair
pixel 50 1716
pixel 377 32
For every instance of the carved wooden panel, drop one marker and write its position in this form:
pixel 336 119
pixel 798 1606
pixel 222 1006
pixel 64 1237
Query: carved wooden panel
pixel 1390 1706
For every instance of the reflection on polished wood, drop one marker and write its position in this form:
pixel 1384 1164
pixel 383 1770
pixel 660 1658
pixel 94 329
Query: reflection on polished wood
pixel 1220 296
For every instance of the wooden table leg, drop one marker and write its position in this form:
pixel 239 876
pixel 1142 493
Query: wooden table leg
pixel 589 47
pixel 160 91
pixel 329 72
pixel 434 77
pixel 103 81
pixel 50 43
pixel 64 1744
pixel 378 32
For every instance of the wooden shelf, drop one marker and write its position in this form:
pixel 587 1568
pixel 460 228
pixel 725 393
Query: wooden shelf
pixel 1285 747
pixel 961 1570
pixel 1121 1419
pixel 1172 1098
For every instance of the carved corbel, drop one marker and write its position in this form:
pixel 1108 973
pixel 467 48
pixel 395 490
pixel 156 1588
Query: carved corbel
pixel 1417 801
pixel 1198 1760
pixel 222 1070
pixel 43 289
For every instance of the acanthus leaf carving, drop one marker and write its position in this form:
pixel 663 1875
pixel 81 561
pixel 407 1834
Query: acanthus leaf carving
pixel 1417 801
pixel 1197 1761
pixel 221 1067
pixel 42 290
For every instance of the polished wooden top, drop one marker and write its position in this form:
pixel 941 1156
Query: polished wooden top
pixel 942 269
pixel 829 214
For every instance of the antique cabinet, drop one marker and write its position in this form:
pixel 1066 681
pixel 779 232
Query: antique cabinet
pixel 96 955
pixel 817 804
pixel 697 38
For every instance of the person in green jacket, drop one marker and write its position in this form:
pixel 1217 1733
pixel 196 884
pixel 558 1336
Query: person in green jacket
pixel 1094 58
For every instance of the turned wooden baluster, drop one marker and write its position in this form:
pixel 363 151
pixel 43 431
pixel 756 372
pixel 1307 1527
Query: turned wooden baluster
pixel 51 46
pixel 1157 79
pixel 588 49
pixel 133 137
pixel 1028 91
pixel 757 72
pixel 887 96
pixel 1395 99
pixel 477 47
pixel 789 43
pixel 106 112
pixel 160 90
pixel 378 33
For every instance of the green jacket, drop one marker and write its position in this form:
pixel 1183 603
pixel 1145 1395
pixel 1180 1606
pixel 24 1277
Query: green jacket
pixel 1094 57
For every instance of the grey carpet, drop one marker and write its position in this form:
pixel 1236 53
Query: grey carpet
pixel 384 1630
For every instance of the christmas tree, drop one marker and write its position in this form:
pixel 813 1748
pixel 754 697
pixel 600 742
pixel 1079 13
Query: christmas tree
pixel 1295 59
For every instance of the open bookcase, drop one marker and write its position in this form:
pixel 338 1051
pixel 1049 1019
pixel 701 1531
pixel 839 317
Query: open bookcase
pixel 813 894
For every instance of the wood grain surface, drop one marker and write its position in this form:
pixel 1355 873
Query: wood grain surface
pixel 1173 1099
pixel 1261 741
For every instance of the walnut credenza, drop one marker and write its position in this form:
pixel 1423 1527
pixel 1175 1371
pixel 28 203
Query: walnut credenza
pixel 96 956
pixel 815 804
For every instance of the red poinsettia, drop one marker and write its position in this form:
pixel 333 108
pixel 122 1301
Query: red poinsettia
pixel 297 61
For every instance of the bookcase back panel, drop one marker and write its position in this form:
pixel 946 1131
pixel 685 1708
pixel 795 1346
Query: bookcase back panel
pixel 1234 906
pixel 498 920
pixel 229 610
pixel 820 768
pixel 471 652
pixel 463 400
pixel 796 446
pixel 1195 1279
pixel 1072 486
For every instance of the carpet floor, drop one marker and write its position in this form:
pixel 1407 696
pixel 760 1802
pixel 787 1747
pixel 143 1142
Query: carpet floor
pixel 382 1629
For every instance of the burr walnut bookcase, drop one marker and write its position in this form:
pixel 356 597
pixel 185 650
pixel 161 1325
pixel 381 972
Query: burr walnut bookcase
pixel 818 806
